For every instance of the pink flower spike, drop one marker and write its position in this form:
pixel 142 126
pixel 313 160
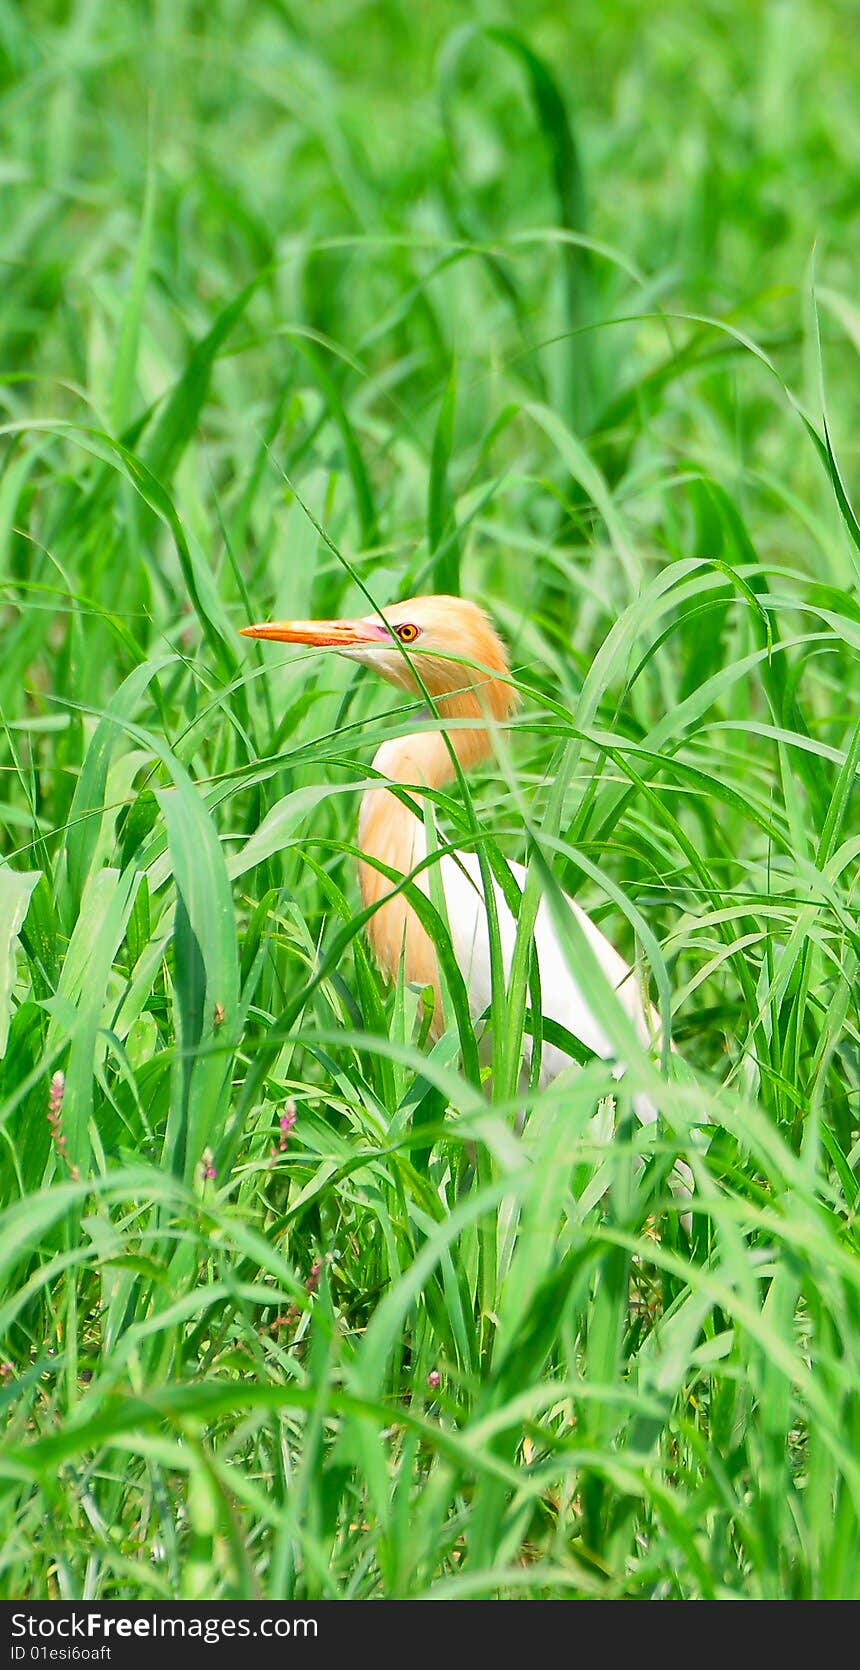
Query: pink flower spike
pixel 434 1379
pixel 56 1092
pixel 314 1274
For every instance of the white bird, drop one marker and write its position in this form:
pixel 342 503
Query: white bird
pixel 448 648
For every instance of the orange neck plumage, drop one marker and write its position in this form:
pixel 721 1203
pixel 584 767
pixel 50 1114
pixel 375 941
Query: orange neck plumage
pixel 391 833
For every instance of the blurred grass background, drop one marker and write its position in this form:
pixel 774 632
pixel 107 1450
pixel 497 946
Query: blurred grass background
pixel 556 307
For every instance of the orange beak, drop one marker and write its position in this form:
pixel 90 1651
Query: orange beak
pixel 322 634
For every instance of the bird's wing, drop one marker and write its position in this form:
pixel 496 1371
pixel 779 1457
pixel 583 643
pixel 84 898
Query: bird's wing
pixel 562 997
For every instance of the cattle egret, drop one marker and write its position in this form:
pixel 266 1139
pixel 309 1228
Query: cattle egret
pixel 448 648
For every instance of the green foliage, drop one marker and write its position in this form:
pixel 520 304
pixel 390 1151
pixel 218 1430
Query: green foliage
pixel 306 305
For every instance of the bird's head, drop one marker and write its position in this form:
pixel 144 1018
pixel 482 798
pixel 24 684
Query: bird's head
pixel 444 645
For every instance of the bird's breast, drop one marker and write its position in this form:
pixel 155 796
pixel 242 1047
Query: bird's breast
pixel 392 839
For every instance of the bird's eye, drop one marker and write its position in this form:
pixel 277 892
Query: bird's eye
pixel 406 633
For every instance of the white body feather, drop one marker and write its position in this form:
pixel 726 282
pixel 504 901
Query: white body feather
pixel 562 999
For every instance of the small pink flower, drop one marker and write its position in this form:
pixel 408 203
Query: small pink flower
pixel 286 1125
pixel 207 1168
pixel 314 1274
pixel 434 1379
pixel 56 1093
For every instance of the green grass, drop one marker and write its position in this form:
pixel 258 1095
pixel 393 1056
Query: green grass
pixel 305 302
